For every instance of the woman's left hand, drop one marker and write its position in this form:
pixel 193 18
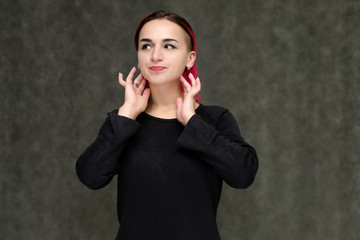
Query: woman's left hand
pixel 186 105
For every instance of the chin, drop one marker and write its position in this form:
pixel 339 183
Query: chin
pixel 160 78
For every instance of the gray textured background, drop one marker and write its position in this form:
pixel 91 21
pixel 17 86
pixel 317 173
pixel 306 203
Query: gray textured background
pixel 288 70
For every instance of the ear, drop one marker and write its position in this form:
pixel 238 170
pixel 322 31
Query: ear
pixel 191 59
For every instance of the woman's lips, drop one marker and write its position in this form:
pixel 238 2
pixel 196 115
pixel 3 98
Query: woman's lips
pixel 157 68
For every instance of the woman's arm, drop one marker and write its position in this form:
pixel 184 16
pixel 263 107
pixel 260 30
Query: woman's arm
pixel 98 164
pixel 222 146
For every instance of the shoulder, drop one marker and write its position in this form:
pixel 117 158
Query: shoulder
pixel 221 119
pixel 213 114
pixel 212 109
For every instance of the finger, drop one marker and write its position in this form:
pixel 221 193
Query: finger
pixel 146 94
pixel 138 80
pixel 121 79
pixel 131 75
pixel 179 103
pixel 142 85
pixel 192 79
pixel 198 85
pixel 185 84
pixel 136 85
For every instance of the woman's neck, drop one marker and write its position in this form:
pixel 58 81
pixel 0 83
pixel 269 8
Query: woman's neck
pixel 162 102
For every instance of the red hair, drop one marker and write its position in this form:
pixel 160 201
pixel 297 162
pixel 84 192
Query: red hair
pixel 161 14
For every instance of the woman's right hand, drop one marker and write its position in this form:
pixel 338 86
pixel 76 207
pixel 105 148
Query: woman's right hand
pixel 136 95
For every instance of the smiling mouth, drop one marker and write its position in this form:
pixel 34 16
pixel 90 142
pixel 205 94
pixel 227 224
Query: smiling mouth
pixel 157 68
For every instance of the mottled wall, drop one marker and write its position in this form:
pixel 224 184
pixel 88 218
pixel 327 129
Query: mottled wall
pixel 288 70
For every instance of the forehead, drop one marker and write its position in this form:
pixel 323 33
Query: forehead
pixel 162 28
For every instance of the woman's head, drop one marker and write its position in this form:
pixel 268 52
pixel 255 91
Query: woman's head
pixel 164 39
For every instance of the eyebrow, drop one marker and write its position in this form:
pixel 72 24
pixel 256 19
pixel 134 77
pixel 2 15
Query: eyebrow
pixel 165 40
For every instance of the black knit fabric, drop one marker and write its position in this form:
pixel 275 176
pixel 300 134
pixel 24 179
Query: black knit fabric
pixel 169 176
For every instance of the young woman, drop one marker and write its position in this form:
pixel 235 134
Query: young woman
pixel 170 153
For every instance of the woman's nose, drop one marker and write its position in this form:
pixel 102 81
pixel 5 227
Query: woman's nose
pixel 157 54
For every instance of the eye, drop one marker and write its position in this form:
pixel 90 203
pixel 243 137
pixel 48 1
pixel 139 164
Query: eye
pixel 145 46
pixel 169 46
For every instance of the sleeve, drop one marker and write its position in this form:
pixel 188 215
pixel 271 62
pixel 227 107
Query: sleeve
pixel 223 147
pixel 98 164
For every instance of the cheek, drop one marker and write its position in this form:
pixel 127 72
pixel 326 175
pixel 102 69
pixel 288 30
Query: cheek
pixel 140 65
pixel 140 61
pixel 139 58
pixel 181 63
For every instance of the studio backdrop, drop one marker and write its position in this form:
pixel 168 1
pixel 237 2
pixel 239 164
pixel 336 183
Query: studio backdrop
pixel 287 70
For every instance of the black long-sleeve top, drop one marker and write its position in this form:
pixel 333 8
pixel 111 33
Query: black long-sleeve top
pixel 169 176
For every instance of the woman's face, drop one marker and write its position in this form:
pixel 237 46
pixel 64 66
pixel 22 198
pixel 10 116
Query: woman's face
pixel 163 52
